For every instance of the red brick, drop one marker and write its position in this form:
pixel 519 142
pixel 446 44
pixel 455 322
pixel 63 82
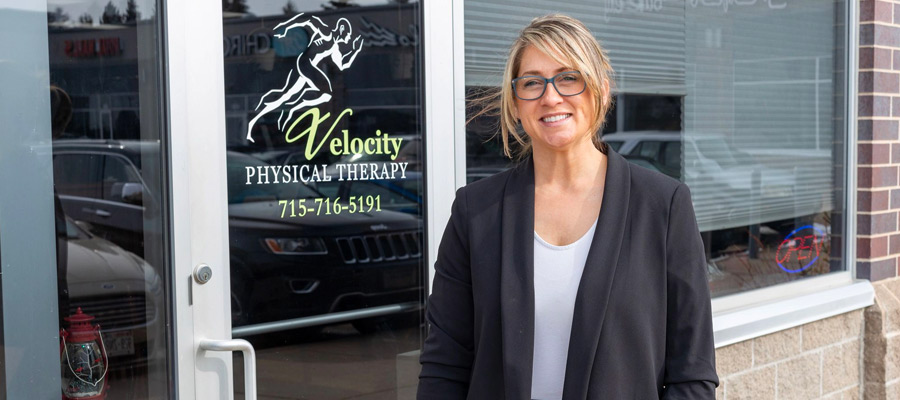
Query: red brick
pixel 866 11
pixel 887 82
pixel 872 247
pixel 878 34
pixel 877 129
pixel 867 58
pixel 878 200
pixel 874 106
pixel 866 34
pixel 876 224
pixel 894 246
pixel 895 199
pixel 887 36
pixel 876 176
pixel 895 153
pixel 873 153
pixel 870 10
pixel 876 270
pixel 895 106
pixel 878 58
pixel 866 81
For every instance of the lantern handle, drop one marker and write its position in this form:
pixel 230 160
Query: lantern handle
pixel 105 360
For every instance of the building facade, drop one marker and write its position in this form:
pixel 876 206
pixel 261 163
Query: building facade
pixel 239 198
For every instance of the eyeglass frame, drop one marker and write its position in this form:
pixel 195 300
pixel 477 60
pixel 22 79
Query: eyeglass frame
pixel 550 80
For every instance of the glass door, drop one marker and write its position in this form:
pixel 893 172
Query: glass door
pixel 325 194
pixel 312 161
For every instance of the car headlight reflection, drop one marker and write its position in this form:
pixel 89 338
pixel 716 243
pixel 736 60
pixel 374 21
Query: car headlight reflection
pixel 295 246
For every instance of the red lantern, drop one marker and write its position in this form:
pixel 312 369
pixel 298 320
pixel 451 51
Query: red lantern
pixel 83 359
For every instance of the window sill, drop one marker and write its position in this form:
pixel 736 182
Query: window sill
pixel 743 324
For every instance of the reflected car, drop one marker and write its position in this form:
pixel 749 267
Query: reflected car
pixel 285 267
pixel 282 266
pixel 653 165
pixel 99 182
pixel 122 292
pixel 711 159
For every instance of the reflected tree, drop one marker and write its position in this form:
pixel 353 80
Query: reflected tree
pixel 86 19
pixel 57 15
pixel 335 4
pixel 289 8
pixel 110 14
pixel 238 6
pixel 131 12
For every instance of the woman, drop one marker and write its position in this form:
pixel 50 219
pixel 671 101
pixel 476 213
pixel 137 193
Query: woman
pixel 574 275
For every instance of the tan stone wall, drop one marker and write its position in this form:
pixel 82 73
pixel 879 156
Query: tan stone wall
pixel 819 360
pixel 882 343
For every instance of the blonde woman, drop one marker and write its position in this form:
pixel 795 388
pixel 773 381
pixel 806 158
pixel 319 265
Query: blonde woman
pixel 574 275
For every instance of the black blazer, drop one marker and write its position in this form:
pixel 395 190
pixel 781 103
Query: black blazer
pixel 642 327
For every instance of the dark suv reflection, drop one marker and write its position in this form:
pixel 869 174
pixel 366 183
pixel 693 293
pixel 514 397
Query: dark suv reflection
pixel 316 264
pixel 281 268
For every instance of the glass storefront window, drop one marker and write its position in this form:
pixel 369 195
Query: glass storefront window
pixel 325 194
pixel 99 151
pixel 744 102
pixel 105 74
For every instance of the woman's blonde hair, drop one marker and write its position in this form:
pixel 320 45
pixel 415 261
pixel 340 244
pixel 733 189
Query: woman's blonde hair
pixel 570 43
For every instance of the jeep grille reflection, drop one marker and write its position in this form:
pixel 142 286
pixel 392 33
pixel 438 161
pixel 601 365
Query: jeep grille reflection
pixel 380 247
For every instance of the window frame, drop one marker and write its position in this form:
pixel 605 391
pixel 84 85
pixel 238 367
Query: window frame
pixel 739 316
pixel 758 312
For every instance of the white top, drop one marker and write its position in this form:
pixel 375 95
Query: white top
pixel 557 273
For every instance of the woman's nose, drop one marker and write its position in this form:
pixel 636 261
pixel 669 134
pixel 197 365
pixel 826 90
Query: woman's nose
pixel 551 95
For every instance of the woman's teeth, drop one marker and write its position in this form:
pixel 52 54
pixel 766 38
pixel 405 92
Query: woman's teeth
pixel 556 118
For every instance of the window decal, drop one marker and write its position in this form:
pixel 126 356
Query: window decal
pixel 302 91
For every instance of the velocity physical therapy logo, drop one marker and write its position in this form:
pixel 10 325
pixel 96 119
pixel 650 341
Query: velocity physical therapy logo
pixel 327 43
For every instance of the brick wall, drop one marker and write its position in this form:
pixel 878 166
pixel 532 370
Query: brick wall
pixel 819 360
pixel 878 150
pixel 881 358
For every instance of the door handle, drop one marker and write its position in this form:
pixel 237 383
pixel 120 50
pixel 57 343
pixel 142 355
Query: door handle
pixel 102 213
pixel 249 360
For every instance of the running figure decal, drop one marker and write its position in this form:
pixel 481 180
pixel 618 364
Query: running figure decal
pixel 326 43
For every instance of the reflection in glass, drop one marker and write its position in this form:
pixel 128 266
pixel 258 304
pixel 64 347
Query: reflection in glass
pixel 729 102
pixel 107 172
pixel 325 170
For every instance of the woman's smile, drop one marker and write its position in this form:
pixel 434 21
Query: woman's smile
pixel 555 119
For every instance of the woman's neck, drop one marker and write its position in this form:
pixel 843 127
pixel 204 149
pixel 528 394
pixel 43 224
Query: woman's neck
pixel 578 167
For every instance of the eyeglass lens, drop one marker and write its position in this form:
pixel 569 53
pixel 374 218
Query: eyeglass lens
pixel 532 87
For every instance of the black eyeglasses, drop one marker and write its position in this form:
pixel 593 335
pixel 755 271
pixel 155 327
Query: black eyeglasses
pixel 532 87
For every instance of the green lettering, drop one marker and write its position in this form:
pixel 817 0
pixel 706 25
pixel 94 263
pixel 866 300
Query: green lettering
pixel 310 132
pixel 335 146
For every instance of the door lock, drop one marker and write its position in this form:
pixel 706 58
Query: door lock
pixel 202 273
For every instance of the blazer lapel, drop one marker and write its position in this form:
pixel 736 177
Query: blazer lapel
pixel 596 281
pixel 517 281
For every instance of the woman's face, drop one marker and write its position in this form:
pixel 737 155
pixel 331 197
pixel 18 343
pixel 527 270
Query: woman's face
pixel 553 121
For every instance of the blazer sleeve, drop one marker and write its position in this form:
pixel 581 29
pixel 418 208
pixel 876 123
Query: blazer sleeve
pixel 448 352
pixel 690 365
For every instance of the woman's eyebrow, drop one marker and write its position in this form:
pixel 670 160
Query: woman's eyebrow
pixel 533 72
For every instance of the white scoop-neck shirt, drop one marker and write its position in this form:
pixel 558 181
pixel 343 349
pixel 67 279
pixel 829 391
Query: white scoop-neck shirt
pixel 557 273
